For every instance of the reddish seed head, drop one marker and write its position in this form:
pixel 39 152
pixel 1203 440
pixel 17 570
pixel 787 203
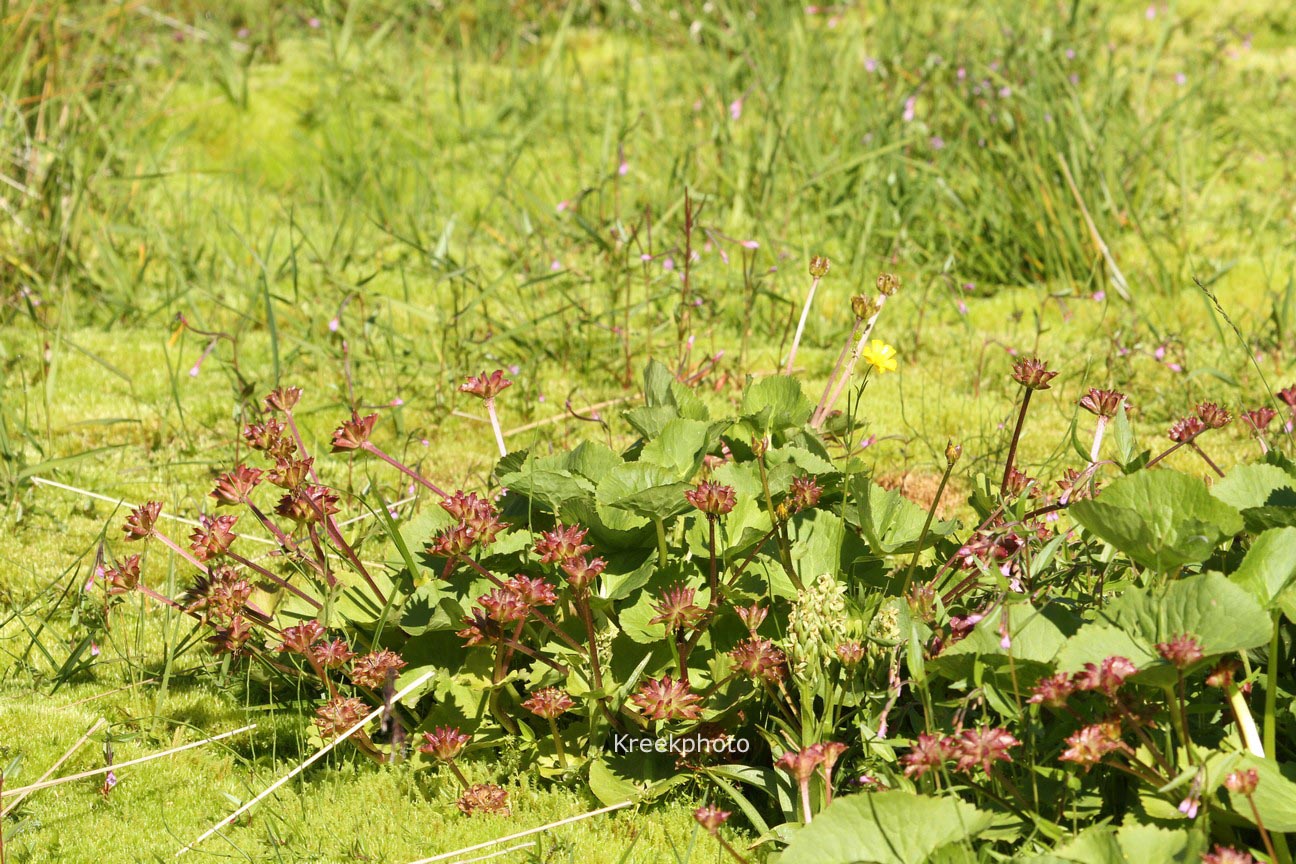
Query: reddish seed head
pixel 676 609
pixel 453 541
pixel 850 653
pixel 269 438
pixel 712 499
pixel 233 487
pixel 1020 482
pixel 140 522
pixel 213 537
pixel 801 764
pixel 667 699
pixel 339 715
pixel 752 617
pixel 484 798
pixel 760 659
pixel 1032 373
pixel 444 744
pixel 123 578
pixel 1052 691
pixel 299 638
pixel 711 817
pixel 532 592
pixel 463 506
pixel 983 747
pixel 480 629
pixel 370 670
pixel 1073 486
pixel 562 544
pixel 1288 396
pixel 928 753
pixel 1214 416
pixel 1089 745
pixel 549 703
pixel 804 494
pixel 1242 782
pixel 1187 429
pixel 283 398
pixel 1106 678
pixel 219 595
pixel 1104 403
pixel 308 505
pixel 354 433
pixel 1181 652
pixel 1258 419
pixel 332 655
pixel 582 572
pixel 291 473
pixel 232 638
pixel 486 387
pixel 1227 855
pixel 1223 674
pixel 503 606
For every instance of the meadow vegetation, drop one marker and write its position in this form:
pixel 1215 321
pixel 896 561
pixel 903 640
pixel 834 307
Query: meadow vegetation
pixel 621 207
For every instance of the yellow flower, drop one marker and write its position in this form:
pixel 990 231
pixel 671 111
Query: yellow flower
pixel 880 356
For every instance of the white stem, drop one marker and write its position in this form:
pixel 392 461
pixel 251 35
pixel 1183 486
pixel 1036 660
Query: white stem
pixel 495 424
pixel 98 724
pixel 1098 437
pixel 570 819
pixel 319 754
pixel 805 313
pixel 817 420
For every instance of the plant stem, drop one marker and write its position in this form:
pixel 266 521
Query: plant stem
pixel 841 358
pixel 1016 437
pixel 495 424
pixel 1098 437
pixel 370 447
pixel 662 554
pixel 1271 691
pixel 817 420
pixel 558 745
pixel 278 580
pixel 931 513
pixel 713 582
pixel 805 313
pixel 1202 453
pixel 1245 722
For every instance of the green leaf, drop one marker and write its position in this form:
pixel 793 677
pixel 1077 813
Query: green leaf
pixel 892 523
pixel 1265 494
pixel 1123 434
pixel 885 828
pixel 1269 566
pixel 1036 635
pixel 1275 794
pixel 679 447
pixel 548 481
pixel 1160 519
pixel 775 403
pixel 1132 843
pixel 1222 617
pixel 644 489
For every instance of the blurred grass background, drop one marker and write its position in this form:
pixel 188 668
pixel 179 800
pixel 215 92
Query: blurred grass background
pixel 373 199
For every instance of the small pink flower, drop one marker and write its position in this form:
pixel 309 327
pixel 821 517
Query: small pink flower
pixel 735 108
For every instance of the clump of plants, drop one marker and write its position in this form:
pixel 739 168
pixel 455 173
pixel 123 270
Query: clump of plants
pixel 732 605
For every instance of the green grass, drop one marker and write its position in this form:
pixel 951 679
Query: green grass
pixel 400 171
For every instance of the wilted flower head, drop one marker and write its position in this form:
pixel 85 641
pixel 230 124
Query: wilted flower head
pixel 676 609
pixel 865 307
pixel 887 284
pixel 1242 782
pixel 140 522
pixel 983 747
pixel 1104 403
pixel 463 506
pixel 549 703
pixel 504 607
pixel 1089 745
pixel 712 499
pixel 1074 486
pixel 1213 415
pixel 1181 652
pixel 486 387
pixel 453 541
pixel 1288 396
pixel 759 659
pixel 1020 482
pixel 300 637
pixel 1258 419
pixel 561 544
pixel 582 572
pixel 338 715
pixel 953 452
pixel 1052 691
pixel 667 699
pixel 484 798
pixel 234 486
pixel 819 266
pixel 283 398
pixel 123 578
pixel 804 493
pixel 1106 678
pixel 711 817
pixel 354 433
pixel 1223 674
pixel 370 670
pixel 444 744
pixel 928 753
pixel 213 536
pixel 1227 855
pixel 1186 429
pixel 1032 373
